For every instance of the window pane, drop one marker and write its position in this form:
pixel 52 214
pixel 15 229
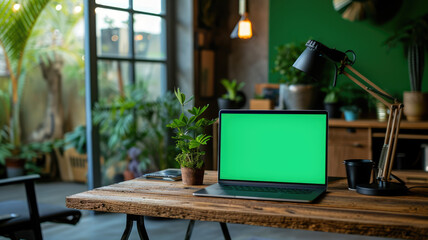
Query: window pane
pixel 151 6
pixel 112 77
pixel 112 33
pixel 152 76
pixel 114 3
pixel 149 37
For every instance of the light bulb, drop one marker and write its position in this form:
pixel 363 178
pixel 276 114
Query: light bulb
pixel 245 29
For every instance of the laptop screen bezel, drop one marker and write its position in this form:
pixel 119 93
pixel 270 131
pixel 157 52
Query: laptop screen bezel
pixel 264 183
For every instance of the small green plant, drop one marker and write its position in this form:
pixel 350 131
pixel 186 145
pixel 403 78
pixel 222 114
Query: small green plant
pixel 190 135
pixel 232 88
pixel 332 94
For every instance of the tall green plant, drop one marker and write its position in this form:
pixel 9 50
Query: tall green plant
pixel 414 36
pixel 14 35
pixel 134 120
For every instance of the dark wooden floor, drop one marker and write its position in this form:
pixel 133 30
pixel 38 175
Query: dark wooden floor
pixel 111 226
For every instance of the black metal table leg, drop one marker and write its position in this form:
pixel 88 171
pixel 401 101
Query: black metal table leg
pixel 189 230
pixel 140 227
pixel 225 231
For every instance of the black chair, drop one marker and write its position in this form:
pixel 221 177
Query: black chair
pixel 18 215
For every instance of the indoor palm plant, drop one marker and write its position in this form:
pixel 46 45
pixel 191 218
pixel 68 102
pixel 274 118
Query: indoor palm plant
pixel 233 98
pixel 414 37
pixel 15 32
pixel 190 138
pixel 297 89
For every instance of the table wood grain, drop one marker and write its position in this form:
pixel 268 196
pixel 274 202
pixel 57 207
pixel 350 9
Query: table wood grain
pixel 339 211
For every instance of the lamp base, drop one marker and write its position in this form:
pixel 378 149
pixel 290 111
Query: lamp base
pixel 382 188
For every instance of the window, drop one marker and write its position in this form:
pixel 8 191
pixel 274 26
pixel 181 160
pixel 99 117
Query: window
pixel 125 43
pixel 131 45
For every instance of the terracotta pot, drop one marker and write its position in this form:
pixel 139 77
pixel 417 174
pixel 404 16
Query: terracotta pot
pixel 128 175
pixel 192 176
pixel 15 167
pixel 415 105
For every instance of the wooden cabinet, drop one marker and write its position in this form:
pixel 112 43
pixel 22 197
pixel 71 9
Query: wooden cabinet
pixel 347 143
pixel 363 139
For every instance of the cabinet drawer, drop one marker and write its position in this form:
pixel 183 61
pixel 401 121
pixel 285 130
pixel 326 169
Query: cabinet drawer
pixel 356 137
pixel 345 144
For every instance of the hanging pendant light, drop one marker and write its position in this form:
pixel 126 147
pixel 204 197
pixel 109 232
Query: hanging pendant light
pixel 243 29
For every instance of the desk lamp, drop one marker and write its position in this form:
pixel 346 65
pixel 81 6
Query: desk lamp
pixel 313 61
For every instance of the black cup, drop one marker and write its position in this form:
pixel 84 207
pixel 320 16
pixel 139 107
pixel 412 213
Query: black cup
pixel 358 172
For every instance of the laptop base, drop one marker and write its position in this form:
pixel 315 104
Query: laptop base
pixel 222 191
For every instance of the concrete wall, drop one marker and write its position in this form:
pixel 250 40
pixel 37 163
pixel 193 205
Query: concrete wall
pixel 248 59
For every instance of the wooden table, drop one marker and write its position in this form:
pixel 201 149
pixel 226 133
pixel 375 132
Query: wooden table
pixel 339 211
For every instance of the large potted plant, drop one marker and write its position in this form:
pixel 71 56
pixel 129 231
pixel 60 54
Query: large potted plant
pixel 133 127
pixel 297 89
pixel 23 162
pixel 190 137
pixel 233 98
pixel 414 37
pixel 14 34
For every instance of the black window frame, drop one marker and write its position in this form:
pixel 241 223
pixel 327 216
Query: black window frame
pixel 91 71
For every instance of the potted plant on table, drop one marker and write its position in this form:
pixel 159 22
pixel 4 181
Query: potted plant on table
pixel 414 36
pixel 190 138
pixel 234 98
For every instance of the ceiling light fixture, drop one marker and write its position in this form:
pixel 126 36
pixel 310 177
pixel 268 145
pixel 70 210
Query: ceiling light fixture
pixel 243 28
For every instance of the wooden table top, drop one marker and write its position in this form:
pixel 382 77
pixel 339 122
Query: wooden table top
pixel 340 210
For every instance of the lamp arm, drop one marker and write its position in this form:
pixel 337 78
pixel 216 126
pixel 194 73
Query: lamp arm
pixel 386 103
pixel 396 108
pixel 368 81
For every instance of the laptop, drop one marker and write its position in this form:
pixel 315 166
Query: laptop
pixel 274 155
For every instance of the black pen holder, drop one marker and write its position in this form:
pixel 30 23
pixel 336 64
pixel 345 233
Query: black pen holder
pixel 358 171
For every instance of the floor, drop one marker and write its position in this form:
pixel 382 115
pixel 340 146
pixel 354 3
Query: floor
pixel 111 226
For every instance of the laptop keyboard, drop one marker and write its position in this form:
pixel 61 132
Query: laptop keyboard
pixel 268 189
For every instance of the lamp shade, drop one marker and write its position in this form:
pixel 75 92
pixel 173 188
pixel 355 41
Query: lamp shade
pixel 311 62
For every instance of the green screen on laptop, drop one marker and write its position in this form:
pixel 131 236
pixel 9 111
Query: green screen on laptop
pixel 263 147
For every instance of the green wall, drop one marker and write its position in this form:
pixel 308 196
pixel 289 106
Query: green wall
pixel 300 20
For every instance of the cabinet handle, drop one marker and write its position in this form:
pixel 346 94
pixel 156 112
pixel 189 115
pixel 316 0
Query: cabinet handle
pixel 357 145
